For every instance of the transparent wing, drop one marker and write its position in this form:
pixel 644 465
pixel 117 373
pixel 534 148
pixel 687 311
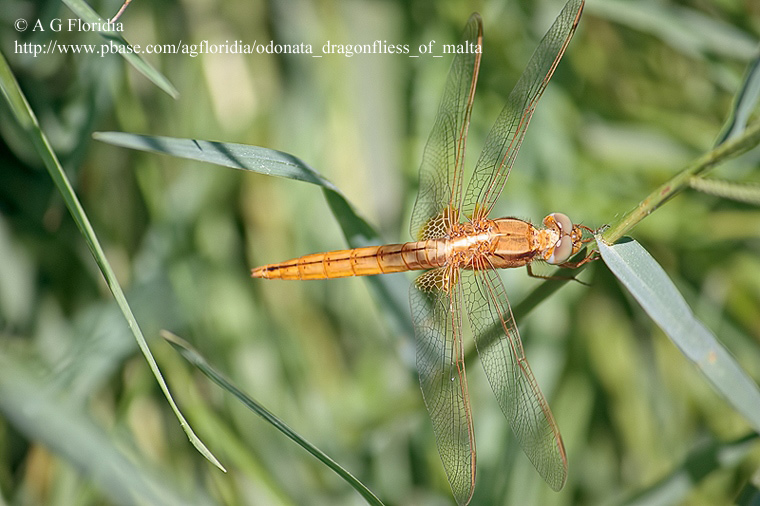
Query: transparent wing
pixel 506 136
pixel 436 311
pixel 440 192
pixel 501 353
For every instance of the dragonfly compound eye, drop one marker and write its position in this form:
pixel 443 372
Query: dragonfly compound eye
pixel 561 251
pixel 563 223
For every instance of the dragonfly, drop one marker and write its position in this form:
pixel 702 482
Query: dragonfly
pixel 460 249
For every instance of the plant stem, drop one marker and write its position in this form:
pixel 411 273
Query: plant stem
pixel 748 140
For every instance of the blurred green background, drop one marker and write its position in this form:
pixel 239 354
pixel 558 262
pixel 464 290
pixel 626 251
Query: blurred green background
pixel 644 88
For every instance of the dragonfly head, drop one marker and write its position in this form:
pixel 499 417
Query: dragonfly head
pixel 568 240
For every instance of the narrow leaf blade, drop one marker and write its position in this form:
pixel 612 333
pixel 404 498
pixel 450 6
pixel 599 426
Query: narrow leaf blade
pixel 28 121
pixel 745 102
pixel 652 288
pixel 192 356
pixel 391 291
pixel 124 48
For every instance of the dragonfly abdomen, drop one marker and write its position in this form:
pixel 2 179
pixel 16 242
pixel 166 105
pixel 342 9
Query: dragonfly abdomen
pixel 365 261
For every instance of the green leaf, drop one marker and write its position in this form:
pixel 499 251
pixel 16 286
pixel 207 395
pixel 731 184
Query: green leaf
pixel 124 48
pixel 390 290
pixel 744 103
pixel 26 118
pixel 649 284
pixel 192 356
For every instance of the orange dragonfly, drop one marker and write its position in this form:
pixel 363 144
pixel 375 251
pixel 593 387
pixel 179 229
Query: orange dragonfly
pixel 461 247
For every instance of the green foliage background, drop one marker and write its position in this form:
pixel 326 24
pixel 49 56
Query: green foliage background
pixel 644 88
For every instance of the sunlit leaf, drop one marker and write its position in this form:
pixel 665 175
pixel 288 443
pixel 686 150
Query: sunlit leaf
pixel 652 288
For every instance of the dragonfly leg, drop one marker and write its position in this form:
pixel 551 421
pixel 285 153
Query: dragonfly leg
pixel 567 265
pixel 574 265
pixel 554 278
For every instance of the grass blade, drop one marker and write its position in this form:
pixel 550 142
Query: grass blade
pixel 85 12
pixel 237 156
pixel 390 290
pixel 26 118
pixel 649 284
pixel 192 356
pixel 744 103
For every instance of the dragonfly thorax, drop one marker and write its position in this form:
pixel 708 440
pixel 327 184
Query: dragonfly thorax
pixel 468 242
pixel 511 242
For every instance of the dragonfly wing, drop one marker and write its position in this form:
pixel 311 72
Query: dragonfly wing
pixel 506 136
pixel 440 191
pixel 501 353
pixel 436 311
